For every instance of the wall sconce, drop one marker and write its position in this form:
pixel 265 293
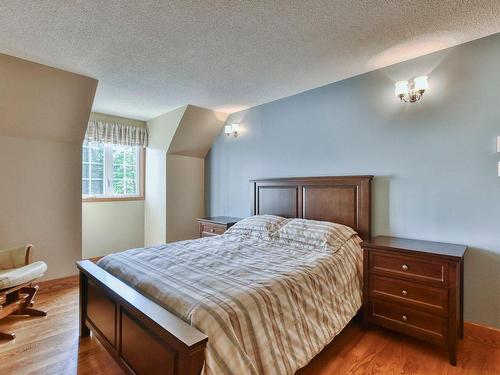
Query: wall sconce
pixel 232 129
pixel 498 150
pixel 412 91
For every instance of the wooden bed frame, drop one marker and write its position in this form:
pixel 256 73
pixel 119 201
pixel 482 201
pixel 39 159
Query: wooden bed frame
pixel 144 338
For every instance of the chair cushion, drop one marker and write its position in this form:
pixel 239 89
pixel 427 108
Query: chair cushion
pixel 12 258
pixel 17 276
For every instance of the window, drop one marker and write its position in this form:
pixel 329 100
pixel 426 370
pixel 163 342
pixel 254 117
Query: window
pixel 111 171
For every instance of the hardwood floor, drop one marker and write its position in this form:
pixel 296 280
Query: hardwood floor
pixel 51 345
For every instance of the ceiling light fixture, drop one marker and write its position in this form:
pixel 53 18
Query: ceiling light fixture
pixel 412 91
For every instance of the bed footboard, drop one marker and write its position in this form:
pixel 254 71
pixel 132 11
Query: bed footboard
pixel 142 336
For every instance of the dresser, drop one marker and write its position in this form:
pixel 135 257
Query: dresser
pixel 215 225
pixel 415 288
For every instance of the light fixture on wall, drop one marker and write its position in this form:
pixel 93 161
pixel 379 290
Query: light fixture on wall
pixel 498 150
pixel 232 129
pixel 412 91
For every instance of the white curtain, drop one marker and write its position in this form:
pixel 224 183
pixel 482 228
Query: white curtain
pixel 106 132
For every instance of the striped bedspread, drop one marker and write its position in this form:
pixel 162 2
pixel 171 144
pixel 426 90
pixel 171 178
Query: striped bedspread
pixel 266 307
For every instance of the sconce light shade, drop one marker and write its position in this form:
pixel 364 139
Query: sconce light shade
pixel 232 129
pixel 421 83
pixel 401 88
pixel 411 92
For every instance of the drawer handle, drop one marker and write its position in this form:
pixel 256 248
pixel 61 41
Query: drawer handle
pixel 404 267
pixel 404 318
pixel 404 292
pixel 212 230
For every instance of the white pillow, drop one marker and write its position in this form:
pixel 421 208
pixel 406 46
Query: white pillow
pixel 259 225
pixel 314 234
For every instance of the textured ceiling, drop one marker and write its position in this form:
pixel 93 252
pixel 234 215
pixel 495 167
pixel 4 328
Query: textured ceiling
pixel 153 56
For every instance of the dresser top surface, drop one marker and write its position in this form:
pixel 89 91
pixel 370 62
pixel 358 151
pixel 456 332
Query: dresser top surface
pixel 225 220
pixel 396 243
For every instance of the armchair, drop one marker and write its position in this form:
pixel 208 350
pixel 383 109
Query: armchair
pixel 17 272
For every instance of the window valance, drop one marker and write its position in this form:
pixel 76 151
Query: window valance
pixel 106 132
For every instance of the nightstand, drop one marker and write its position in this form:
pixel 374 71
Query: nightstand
pixel 215 225
pixel 416 288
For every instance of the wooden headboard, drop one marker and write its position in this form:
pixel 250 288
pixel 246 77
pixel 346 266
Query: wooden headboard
pixel 340 199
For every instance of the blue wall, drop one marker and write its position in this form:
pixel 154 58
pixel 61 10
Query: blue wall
pixel 435 161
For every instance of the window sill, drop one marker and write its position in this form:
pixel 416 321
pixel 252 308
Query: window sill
pixel 112 199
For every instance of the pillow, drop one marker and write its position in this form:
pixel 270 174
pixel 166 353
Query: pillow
pixel 314 234
pixel 259 225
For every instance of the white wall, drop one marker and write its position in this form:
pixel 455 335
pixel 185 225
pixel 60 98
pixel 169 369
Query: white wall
pixel 109 227
pixel 185 196
pixel 40 201
pixel 43 115
pixel 161 131
pixel 102 117
pixel 179 141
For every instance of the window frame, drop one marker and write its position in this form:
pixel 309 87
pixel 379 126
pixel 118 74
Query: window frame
pixel 108 159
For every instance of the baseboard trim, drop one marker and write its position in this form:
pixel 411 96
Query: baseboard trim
pixel 54 285
pixel 471 325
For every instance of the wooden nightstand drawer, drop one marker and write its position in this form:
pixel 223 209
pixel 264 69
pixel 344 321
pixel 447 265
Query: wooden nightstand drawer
pixel 212 229
pixel 409 321
pixel 213 226
pixel 408 266
pixel 415 287
pixel 399 291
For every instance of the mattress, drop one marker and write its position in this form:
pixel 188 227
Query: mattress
pixel 266 307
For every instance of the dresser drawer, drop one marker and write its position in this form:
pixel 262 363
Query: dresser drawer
pixel 416 288
pixel 420 296
pixel 409 321
pixel 211 229
pixel 408 266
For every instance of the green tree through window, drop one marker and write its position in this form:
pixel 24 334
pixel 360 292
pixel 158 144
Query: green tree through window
pixel 124 170
pixel 110 170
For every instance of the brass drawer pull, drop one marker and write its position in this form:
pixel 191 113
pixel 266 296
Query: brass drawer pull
pixel 404 318
pixel 404 292
pixel 404 267
pixel 212 230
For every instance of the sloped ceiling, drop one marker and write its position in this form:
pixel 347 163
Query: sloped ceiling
pixel 186 131
pixel 153 56
pixel 196 132
pixel 41 102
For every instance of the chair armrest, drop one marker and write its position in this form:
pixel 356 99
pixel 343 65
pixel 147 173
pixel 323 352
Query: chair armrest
pixel 15 258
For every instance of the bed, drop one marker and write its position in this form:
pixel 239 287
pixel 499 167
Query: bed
pixel 233 304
